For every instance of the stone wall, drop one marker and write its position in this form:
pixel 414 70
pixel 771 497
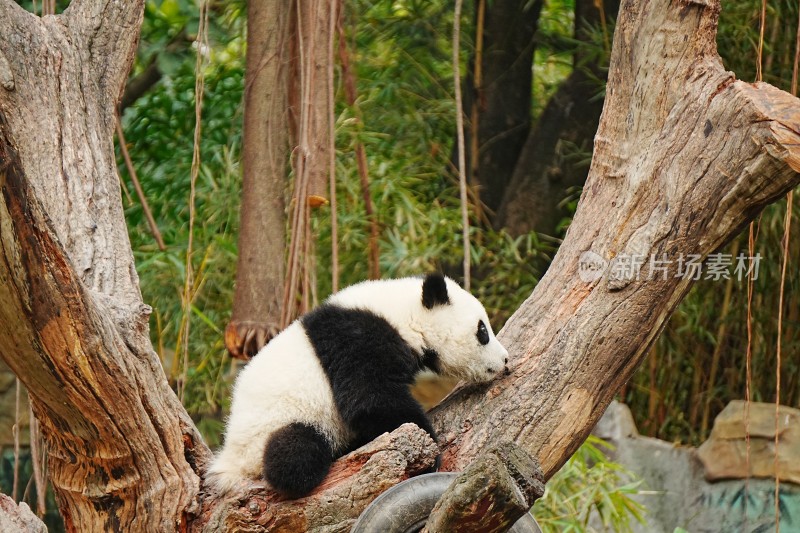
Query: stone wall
pixel 701 490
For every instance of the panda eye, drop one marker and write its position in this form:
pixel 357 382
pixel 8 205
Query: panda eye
pixel 483 333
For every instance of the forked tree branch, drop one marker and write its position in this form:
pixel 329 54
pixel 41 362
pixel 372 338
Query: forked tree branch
pixel 123 453
pixel 684 157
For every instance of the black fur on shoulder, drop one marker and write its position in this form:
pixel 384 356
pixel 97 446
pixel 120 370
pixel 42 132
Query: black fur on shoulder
pixel 297 458
pixel 434 291
pixel 370 368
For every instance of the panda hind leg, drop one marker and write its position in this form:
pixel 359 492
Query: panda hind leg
pixel 296 459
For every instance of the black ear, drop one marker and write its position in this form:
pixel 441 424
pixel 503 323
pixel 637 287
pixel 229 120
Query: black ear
pixel 434 291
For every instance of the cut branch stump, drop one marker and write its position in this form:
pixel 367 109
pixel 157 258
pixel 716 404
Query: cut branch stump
pixel 490 495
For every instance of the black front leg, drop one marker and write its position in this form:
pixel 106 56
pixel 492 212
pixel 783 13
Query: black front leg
pixel 379 415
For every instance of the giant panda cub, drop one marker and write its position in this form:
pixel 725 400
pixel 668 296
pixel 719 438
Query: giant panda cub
pixel 339 376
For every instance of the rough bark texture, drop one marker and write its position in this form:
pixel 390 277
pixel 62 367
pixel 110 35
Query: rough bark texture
pixel 490 495
pixel 684 157
pixel 353 482
pixel 122 451
pixel 18 518
pixel 260 265
pixel 312 113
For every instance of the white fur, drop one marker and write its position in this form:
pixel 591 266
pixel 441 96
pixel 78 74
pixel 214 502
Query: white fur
pixel 285 382
pixel 448 329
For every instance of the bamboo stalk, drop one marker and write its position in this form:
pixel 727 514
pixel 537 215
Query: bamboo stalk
pixel 351 96
pixel 462 164
pixel 334 17
pixel 722 330
pixel 148 214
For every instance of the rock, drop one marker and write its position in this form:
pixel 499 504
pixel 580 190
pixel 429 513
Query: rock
pixel 724 454
pixel 675 483
pixel 616 424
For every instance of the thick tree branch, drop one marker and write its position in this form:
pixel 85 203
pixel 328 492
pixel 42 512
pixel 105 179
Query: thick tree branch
pixel 17 28
pixel 684 157
pixel 117 436
pixel 104 28
pixel 490 495
pixel 56 86
pixel 123 453
pixel 353 482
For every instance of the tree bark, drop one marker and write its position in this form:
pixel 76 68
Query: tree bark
pixel 498 95
pixel 353 482
pixel 685 156
pixel 490 495
pixel 123 454
pixel 260 270
pixel 312 112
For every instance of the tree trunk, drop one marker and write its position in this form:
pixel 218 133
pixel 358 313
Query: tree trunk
pixel 498 94
pixel 262 241
pixel 286 91
pixel 311 111
pixel 550 162
pixel 123 454
pixel 684 157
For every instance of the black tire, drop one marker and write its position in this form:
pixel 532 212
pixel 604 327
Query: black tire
pixel 405 507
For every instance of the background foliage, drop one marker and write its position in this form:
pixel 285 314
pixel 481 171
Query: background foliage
pixel 401 54
pixel 401 51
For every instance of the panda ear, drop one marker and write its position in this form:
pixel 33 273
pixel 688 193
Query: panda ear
pixel 434 291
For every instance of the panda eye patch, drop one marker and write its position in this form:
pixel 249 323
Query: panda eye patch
pixel 483 333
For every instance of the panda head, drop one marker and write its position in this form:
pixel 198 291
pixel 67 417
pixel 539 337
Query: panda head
pixel 459 339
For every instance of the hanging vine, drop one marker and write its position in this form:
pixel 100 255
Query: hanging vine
pixel 201 44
